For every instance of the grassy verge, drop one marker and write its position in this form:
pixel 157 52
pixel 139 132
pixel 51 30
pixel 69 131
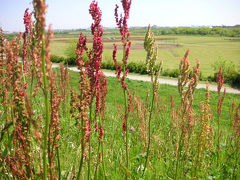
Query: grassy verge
pixel 113 131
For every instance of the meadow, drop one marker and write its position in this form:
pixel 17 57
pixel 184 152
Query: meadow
pixel 60 124
pixel 207 49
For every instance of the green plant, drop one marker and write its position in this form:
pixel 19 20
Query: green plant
pixel 70 50
pixel 152 54
pixel 228 69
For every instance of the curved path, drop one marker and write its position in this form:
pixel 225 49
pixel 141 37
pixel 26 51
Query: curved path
pixel 161 81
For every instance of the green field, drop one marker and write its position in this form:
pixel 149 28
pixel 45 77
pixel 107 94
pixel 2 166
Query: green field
pixel 162 149
pixel 205 48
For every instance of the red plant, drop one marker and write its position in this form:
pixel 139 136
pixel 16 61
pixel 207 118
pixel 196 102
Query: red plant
pixel 84 98
pixel 124 31
pixel 95 88
pixel 126 43
pixel 20 162
pixel 26 40
pixel 93 67
pixel 220 80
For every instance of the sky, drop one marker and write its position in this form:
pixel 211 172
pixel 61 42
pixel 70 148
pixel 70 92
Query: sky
pixel 73 14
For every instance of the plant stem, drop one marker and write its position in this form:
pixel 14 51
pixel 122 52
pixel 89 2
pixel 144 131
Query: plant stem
pixel 236 158
pixel 126 112
pixel 103 163
pixel 179 154
pixel 83 148
pixel 89 142
pixel 149 131
pixel 218 140
pixel 80 166
pixel 59 165
pixel 96 168
pixel 126 143
pixel 47 118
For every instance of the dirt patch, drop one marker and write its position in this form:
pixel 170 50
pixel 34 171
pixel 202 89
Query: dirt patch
pixel 133 47
pixel 232 39
pixel 157 39
pixel 62 40
pixel 168 46
pixel 140 47
pixel 173 53
pixel 115 39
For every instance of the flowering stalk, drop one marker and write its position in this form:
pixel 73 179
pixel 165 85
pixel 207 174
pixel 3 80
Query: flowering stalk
pixel 39 13
pixel 20 162
pixel 54 125
pixel 185 109
pixel 84 100
pixel 220 81
pixel 93 68
pixel 64 83
pixel 152 53
pixel 103 93
pixel 204 136
pixel 124 31
pixel 3 87
pixel 26 39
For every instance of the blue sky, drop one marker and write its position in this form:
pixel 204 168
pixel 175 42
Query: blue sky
pixel 67 14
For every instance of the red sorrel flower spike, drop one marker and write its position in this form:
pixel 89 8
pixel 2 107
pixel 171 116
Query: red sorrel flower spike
pixel 93 67
pixel 126 6
pixel 220 80
pixel 27 20
pixel 126 43
pixel 100 133
pixel 122 21
pixel 96 15
pixel 28 31
pixel 81 46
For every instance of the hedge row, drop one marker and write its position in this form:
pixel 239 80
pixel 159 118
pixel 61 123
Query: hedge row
pixel 233 80
pixel 133 67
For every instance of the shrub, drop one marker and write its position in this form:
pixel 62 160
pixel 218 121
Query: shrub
pixel 231 76
pixel 236 81
pixel 171 73
pixel 71 60
pixel 57 59
pixel 108 65
pixel 70 50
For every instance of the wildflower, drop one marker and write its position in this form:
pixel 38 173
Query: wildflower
pixel 142 155
pixel 132 129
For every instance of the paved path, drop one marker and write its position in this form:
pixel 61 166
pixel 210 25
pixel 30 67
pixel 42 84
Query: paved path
pixel 161 81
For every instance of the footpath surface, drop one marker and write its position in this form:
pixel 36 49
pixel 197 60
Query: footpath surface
pixel 161 80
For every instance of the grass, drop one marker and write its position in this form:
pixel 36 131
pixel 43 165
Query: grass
pixel 206 49
pixel 141 88
pixel 113 146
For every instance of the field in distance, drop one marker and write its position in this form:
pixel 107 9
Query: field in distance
pixel 207 49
